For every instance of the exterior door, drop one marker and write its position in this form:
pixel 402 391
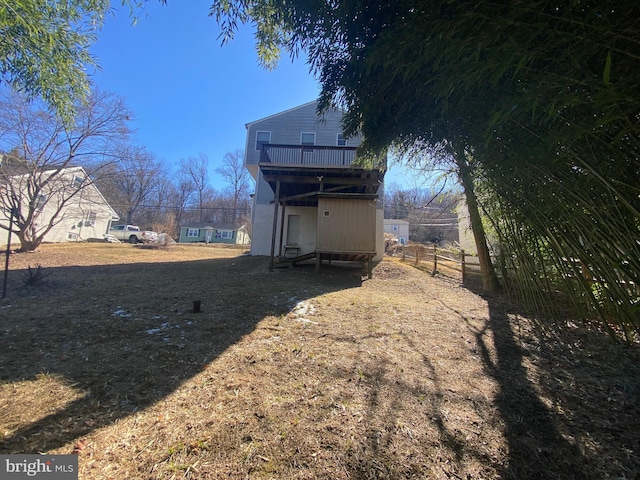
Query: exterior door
pixel 293 230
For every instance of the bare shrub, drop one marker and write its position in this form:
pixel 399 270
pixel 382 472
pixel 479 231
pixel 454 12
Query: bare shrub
pixel 35 276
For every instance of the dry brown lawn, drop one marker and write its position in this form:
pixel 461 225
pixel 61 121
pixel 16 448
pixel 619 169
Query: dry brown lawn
pixel 297 375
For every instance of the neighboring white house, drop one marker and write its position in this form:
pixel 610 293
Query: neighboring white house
pixel 85 215
pixel 399 229
pixel 309 199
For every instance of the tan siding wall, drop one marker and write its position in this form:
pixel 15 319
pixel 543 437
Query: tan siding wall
pixel 350 226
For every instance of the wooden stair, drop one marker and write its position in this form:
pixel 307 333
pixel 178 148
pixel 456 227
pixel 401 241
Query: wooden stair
pixel 283 262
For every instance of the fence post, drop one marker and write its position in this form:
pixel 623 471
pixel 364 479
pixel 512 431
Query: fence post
pixel 462 264
pixel 435 260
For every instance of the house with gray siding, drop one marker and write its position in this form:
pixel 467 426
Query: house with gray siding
pixel 311 199
pixel 203 232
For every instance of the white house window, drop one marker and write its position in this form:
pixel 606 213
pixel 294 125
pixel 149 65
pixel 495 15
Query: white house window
pixel 262 138
pixel 395 227
pixel 72 236
pixel 403 241
pixel 41 201
pixel 193 232
pixel 77 181
pixel 91 219
pixel 341 141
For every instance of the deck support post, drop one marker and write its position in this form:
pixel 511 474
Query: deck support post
pixel 282 215
pixel 275 224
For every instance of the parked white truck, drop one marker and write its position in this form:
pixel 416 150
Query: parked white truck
pixel 132 234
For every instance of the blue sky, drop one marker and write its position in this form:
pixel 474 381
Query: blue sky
pixel 188 93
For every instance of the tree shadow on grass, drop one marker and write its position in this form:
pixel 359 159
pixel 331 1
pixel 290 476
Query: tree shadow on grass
pixel 560 416
pixel 536 447
pixel 565 406
pixel 117 339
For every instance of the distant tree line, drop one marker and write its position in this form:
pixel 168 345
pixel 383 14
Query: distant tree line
pixel 432 215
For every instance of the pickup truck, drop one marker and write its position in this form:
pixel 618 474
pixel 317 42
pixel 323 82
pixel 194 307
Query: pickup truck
pixel 132 234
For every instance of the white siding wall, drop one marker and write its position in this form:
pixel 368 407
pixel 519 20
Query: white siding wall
pixel 262 228
pixel 73 223
pixel 307 227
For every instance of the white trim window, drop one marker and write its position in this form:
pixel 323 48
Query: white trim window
pixel 226 234
pixel 262 138
pixel 308 139
pixel 41 201
pixel 341 140
pixel 77 181
pixel 91 219
pixel 193 232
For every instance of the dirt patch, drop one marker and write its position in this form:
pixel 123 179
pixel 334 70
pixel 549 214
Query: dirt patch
pixel 293 374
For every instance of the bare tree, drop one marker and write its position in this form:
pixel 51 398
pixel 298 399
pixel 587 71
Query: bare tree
pixel 181 191
pixel 239 180
pixel 43 149
pixel 132 182
pixel 196 169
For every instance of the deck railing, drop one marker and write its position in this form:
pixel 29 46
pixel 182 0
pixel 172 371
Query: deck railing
pixel 307 155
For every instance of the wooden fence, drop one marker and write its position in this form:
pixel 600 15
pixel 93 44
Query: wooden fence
pixel 433 259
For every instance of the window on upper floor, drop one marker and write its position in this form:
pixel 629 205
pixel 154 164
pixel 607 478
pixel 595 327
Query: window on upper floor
pixel 77 181
pixel 91 219
pixel 307 139
pixel 41 201
pixel 341 140
pixel 262 138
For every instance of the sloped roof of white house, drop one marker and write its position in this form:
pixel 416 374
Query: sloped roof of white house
pixel 70 170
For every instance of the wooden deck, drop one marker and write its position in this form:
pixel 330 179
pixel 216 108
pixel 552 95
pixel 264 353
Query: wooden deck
pixel 365 259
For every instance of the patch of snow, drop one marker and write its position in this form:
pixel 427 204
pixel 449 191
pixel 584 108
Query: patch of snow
pixel 306 321
pixel 153 331
pixel 304 308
